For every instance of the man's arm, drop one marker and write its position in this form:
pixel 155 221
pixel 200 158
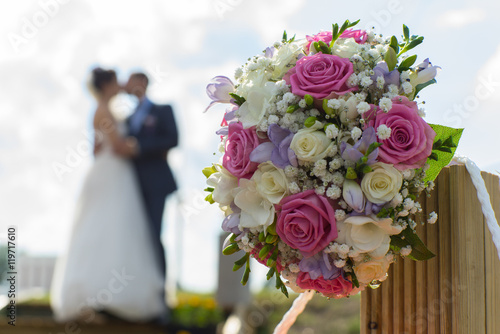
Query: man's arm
pixel 166 138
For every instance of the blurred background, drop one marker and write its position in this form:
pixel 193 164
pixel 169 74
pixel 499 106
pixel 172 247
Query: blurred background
pixel 49 46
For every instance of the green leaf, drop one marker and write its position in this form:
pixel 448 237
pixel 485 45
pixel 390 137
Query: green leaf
pixel 209 199
pixel 285 37
pixel 270 273
pixel 444 158
pixel 231 249
pixel 419 87
pixel 237 99
pixel 322 47
pixel 207 171
pixel 394 44
pixel 407 237
pixel 265 251
pixel 406 64
pixel 246 274
pixel 373 146
pixel 406 32
pixel 391 58
pixel 241 262
pixel 414 43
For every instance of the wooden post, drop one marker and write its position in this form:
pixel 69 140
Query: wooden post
pixel 456 292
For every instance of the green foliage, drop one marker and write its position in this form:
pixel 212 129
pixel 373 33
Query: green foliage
pixel 421 86
pixel 444 147
pixel 409 237
pixel 336 31
pixel 239 100
pixel 391 58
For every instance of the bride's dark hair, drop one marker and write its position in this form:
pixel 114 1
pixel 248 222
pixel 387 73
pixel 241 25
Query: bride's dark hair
pixel 100 77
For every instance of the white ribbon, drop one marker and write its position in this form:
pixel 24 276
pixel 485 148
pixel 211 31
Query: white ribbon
pixel 289 318
pixel 483 197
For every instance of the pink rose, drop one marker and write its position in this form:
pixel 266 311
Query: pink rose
pixel 324 36
pixel 360 36
pixel 306 221
pixel 240 143
pixel 410 143
pixel 335 288
pixel 321 76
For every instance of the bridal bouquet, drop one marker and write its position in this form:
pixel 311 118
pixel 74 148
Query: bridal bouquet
pixel 324 154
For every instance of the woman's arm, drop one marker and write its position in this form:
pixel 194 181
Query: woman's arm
pixel 105 126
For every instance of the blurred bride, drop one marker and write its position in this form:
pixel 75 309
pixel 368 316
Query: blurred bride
pixel 110 265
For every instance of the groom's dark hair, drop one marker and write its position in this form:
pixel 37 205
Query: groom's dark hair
pixel 141 76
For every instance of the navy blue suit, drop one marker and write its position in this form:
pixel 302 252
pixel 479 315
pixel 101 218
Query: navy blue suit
pixel 156 135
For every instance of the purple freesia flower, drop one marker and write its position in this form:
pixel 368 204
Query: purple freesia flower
pixel 231 222
pixel 218 90
pixel 425 72
pixel 353 195
pixel 270 52
pixel 382 70
pixel 278 150
pixel 319 265
pixel 356 152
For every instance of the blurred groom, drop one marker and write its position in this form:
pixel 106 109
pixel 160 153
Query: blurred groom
pixel 153 127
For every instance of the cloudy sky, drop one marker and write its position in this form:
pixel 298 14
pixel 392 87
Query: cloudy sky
pixel 48 47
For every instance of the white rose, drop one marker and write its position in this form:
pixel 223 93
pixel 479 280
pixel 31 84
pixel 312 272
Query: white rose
pixel 311 145
pixel 250 79
pixel 370 234
pixel 223 183
pixel 283 57
pixel 253 109
pixel 256 211
pixel 371 270
pixel 271 182
pixel 345 48
pixel 382 183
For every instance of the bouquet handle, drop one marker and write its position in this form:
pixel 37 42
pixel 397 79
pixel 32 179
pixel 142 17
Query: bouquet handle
pixel 297 307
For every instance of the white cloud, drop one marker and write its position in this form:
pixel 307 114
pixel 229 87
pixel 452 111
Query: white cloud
pixel 459 18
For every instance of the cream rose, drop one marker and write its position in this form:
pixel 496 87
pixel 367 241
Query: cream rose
pixel 382 183
pixel 366 272
pixel 271 182
pixel 283 57
pixel 255 210
pixel 345 48
pixel 223 183
pixel 370 234
pixel 311 145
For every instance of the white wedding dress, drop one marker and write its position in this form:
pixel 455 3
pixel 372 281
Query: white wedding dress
pixel 110 264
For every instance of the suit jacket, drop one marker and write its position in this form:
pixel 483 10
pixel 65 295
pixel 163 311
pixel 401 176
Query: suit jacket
pixel 157 135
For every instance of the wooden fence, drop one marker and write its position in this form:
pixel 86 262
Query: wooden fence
pixel 458 291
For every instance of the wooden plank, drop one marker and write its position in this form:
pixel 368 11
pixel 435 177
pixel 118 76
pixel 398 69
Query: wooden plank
pixel 444 251
pixel 409 295
pixel 492 263
pixel 420 319
pixel 433 265
pixel 366 306
pixel 376 316
pixel 468 253
pixel 387 288
pixel 398 294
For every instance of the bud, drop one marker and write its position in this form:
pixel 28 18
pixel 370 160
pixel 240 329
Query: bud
pixel 353 195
